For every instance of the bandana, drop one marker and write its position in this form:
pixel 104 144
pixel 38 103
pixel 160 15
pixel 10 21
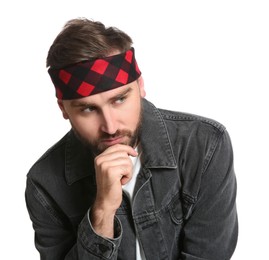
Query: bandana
pixel 92 77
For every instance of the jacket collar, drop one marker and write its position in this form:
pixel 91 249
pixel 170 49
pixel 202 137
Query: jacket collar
pixel 155 145
pixel 78 160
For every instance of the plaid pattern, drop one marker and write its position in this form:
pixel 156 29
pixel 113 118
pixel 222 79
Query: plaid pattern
pixel 92 77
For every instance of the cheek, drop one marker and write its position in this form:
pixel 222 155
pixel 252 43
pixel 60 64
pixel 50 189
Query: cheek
pixel 132 117
pixel 84 127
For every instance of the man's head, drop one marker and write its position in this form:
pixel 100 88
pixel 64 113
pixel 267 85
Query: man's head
pixel 108 110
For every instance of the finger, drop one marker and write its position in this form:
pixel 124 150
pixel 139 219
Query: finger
pixel 114 154
pixel 115 162
pixel 121 173
pixel 126 175
pixel 121 147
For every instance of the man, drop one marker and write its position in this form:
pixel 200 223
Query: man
pixel 129 181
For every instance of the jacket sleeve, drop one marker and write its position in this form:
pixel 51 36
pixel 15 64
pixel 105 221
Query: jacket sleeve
pixel 212 229
pixel 56 239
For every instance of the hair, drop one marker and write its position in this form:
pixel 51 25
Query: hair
pixel 82 39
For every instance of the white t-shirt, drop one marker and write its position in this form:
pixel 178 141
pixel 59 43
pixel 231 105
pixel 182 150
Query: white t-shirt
pixel 129 189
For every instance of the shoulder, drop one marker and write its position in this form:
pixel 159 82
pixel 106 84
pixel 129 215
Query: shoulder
pixel 184 129
pixel 51 158
pixel 195 132
pixel 191 120
pixel 192 127
pixel 181 119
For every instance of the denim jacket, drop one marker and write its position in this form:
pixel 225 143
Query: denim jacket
pixel 184 204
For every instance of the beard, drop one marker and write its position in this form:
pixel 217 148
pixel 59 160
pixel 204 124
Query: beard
pixel 97 147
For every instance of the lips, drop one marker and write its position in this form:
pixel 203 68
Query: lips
pixel 112 141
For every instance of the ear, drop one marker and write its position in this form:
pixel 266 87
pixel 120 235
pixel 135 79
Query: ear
pixel 141 86
pixel 61 106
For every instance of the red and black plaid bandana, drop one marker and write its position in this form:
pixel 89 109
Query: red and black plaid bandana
pixel 92 77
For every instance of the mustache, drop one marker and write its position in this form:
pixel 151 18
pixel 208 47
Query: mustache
pixel 118 133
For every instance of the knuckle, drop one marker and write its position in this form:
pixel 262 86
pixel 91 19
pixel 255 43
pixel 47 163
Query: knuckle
pixel 97 161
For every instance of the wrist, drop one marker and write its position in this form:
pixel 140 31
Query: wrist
pixel 102 221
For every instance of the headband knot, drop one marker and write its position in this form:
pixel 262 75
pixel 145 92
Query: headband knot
pixel 92 77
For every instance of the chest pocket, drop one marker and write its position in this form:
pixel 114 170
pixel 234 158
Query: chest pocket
pixel 176 211
pixel 180 209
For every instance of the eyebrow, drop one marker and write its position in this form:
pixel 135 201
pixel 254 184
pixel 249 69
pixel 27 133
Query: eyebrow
pixel 76 103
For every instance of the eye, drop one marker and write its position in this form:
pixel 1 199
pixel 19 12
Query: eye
pixel 88 109
pixel 120 100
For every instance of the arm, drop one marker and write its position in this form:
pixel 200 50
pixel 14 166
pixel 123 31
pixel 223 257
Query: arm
pixel 55 237
pixel 211 232
pixel 113 168
pixel 99 234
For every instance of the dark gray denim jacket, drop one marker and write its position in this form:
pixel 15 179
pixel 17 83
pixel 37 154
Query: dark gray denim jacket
pixel 185 196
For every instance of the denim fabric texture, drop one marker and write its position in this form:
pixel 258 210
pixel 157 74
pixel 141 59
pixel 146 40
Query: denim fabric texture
pixel 184 203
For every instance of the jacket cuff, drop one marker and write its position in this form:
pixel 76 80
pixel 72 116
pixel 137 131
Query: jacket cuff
pixel 95 244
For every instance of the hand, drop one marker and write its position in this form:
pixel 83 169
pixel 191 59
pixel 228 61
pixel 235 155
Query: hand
pixel 113 168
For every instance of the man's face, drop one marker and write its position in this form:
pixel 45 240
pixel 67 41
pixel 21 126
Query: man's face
pixel 108 118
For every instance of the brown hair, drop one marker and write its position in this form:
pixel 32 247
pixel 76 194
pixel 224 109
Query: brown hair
pixel 83 39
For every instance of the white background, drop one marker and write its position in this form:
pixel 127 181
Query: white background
pixel 205 57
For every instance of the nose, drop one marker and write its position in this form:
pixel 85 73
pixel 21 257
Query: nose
pixel 109 123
